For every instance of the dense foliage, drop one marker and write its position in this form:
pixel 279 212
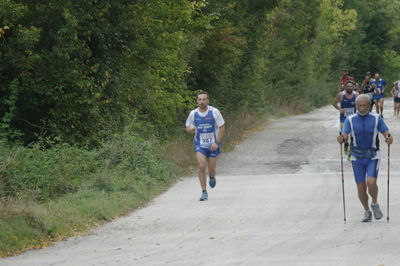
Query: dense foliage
pixel 122 164
pixel 79 71
pixel 49 194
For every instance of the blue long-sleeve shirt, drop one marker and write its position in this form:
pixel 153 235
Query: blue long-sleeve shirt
pixel 364 130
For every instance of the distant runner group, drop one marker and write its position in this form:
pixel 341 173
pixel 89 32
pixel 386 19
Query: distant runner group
pixel 355 105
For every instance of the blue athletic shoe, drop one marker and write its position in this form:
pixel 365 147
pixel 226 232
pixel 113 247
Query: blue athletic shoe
pixel 204 196
pixel 212 182
pixel 377 211
pixel 367 217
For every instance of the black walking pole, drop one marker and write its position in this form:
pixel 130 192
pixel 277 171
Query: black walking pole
pixel 388 175
pixel 344 201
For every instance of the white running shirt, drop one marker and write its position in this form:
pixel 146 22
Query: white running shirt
pixel 219 120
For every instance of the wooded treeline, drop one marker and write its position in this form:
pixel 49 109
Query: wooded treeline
pixel 80 71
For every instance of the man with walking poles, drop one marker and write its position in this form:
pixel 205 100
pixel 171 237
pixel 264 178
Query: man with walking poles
pixel 365 155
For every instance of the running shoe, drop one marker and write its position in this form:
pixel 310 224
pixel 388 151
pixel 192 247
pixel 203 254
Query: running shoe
pixel 204 196
pixel 212 182
pixel 377 211
pixel 367 217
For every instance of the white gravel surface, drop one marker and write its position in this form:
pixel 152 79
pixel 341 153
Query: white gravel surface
pixel 278 201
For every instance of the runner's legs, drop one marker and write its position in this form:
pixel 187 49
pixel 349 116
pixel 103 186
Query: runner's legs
pixel 397 108
pixel 341 128
pixel 372 188
pixel 362 194
pixel 212 164
pixel 202 161
pixel 372 105
pixel 380 103
pixel 363 168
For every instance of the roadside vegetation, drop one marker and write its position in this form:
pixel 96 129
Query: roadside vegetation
pixel 94 94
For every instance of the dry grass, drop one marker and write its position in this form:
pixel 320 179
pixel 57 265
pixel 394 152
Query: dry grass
pixel 14 206
pixel 239 127
pixel 180 151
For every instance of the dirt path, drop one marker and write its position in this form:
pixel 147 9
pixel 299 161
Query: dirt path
pixel 278 201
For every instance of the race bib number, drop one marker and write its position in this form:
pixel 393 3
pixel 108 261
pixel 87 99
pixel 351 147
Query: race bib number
pixel 206 139
pixel 348 111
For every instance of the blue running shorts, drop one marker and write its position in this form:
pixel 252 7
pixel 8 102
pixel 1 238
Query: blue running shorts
pixel 378 96
pixel 364 168
pixel 342 118
pixel 207 152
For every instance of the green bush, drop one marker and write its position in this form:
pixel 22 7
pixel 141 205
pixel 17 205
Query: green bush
pixel 129 161
pixel 42 174
pixel 51 191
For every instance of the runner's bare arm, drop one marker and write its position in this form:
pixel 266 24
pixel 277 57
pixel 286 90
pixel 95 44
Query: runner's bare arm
pixel 335 103
pixel 221 132
pixel 375 89
pixel 190 130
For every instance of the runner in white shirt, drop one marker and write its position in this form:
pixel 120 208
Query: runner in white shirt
pixel 208 127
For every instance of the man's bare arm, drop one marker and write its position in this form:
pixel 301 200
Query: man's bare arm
pixel 336 101
pixel 190 130
pixel 221 133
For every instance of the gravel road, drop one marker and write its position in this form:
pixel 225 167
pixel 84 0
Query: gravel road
pixel 278 201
